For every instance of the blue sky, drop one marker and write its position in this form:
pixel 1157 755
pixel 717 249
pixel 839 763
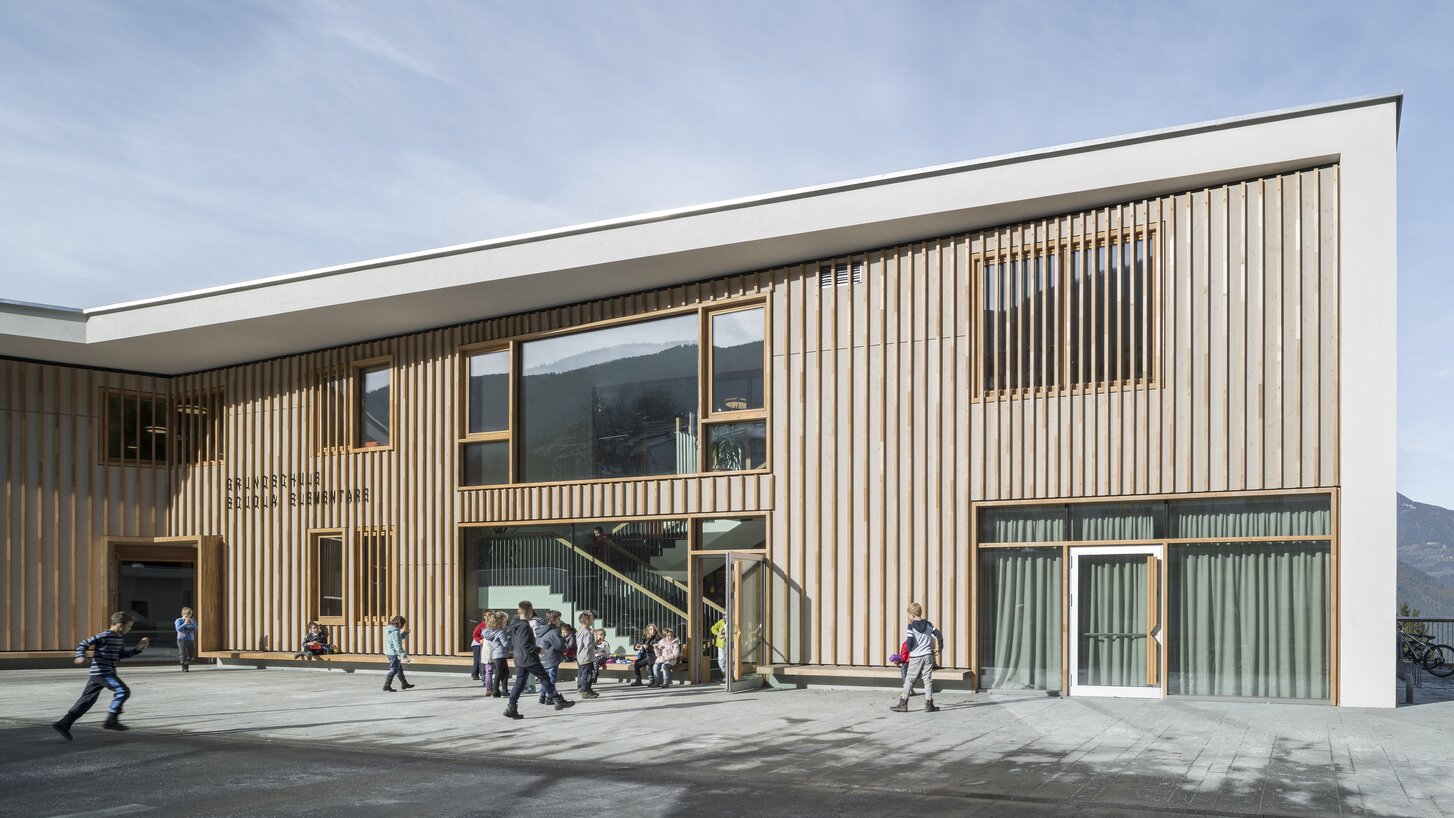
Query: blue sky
pixel 151 148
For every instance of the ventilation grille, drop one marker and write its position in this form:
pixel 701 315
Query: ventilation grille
pixel 834 275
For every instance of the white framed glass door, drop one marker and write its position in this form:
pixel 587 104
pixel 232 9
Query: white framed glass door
pixel 745 620
pixel 1115 621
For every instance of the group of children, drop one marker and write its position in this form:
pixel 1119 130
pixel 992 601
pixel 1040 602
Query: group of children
pixel 537 646
pixel 557 642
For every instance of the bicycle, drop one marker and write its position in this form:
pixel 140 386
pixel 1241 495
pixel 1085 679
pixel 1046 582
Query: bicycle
pixel 1419 649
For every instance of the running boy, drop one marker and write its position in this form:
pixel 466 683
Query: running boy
pixel 107 647
pixel 921 637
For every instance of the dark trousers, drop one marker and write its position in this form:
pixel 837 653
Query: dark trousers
pixel 396 668
pixel 586 677
pixel 94 685
pixel 475 666
pixel 502 673
pixel 186 651
pixel 547 687
pixel 644 661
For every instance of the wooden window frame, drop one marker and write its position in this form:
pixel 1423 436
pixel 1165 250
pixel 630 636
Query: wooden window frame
pixel 709 417
pixel 1069 237
pixel 1333 538
pixel 515 343
pixel 104 428
pixel 372 607
pixel 315 575
pixel 213 448
pixel 511 349
pixel 355 395
pixel 332 409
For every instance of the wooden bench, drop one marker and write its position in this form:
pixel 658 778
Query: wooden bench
pixel 860 673
pixel 289 658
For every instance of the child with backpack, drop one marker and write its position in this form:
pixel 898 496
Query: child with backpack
pixel 921 637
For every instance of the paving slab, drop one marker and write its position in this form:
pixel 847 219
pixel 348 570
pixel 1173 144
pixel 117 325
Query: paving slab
pixel 1111 755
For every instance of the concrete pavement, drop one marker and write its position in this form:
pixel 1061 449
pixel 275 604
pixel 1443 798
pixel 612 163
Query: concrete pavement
pixel 1102 755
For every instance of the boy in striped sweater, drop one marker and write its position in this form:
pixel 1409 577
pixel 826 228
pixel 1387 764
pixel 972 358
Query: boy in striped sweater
pixel 107 648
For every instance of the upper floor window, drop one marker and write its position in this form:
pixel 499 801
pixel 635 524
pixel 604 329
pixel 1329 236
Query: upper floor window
pixel 682 394
pixel 1067 315
pixel 198 422
pixel 485 454
pixel 374 405
pixel 135 428
pixel 736 421
pixel 615 402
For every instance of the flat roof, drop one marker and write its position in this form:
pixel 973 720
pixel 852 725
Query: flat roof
pixel 331 306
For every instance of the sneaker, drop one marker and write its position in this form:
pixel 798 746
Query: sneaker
pixel 561 703
pixel 654 683
pixel 636 683
pixel 113 724
pixel 666 683
pixel 900 707
pixel 64 729
pixel 405 685
pixel 930 706
pixel 388 689
pixel 512 713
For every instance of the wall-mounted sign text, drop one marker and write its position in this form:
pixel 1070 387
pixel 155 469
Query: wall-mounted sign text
pixel 288 489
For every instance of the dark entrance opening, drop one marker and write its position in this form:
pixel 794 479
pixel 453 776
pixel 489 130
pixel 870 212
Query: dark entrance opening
pixel 155 593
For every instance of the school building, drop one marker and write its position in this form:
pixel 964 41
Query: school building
pixel 1119 413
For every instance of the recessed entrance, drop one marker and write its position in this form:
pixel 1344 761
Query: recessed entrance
pixel 1115 620
pixel 155 593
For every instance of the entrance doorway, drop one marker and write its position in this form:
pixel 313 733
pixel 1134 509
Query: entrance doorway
pixel 155 592
pixel 1115 621
pixel 154 579
pixel 732 609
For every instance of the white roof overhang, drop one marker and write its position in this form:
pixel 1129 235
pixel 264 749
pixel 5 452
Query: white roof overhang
pixel 316 309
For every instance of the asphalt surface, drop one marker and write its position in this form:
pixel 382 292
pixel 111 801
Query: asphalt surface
pixel 141 773
pixel 323 741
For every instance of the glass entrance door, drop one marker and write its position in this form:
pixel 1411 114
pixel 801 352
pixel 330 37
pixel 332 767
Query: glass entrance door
pixel 745 622
pixel 1115 606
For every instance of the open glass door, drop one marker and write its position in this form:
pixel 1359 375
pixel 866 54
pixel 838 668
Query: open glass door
pixel 1115 606
pixel 745 620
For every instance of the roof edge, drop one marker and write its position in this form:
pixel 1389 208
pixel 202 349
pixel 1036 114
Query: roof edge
pixel 759 199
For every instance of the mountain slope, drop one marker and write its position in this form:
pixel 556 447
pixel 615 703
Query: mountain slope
pixel 1426 557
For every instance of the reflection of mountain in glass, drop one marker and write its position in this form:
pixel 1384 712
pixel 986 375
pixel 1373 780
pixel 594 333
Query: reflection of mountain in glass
pixel 621 414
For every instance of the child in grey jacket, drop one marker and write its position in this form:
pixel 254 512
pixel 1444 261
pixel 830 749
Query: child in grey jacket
pixel 394 636
pixel 495 646
pixel 586 655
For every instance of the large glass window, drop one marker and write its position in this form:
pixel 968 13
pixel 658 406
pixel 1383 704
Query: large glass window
pixel 1020 604
pixel 374 406
pixel 628 574
pixel 1249 620
pixel 614 402
pixel 136 430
